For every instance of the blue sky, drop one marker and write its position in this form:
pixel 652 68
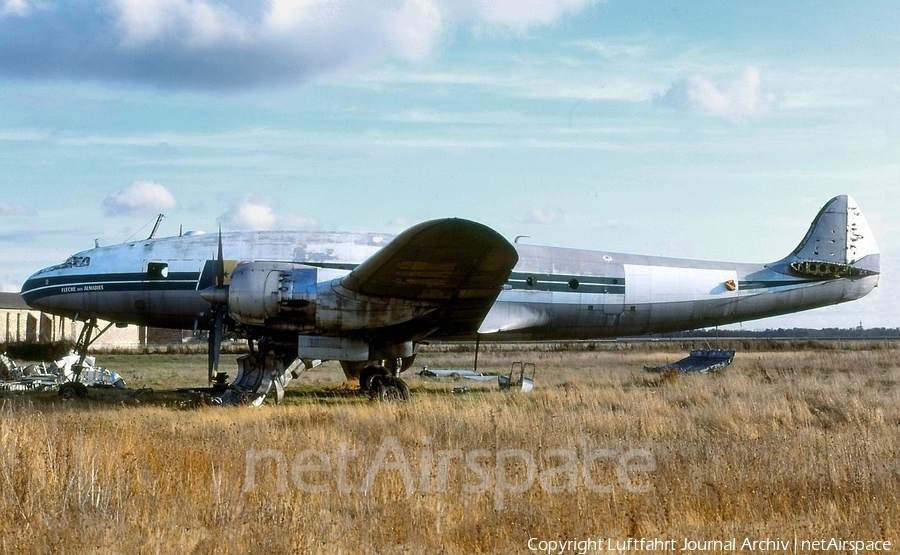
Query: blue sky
pixel 701 129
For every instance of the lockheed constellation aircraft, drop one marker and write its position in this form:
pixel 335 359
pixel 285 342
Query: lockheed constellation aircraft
pixel 369 300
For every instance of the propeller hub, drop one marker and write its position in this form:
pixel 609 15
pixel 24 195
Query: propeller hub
pixel 215 295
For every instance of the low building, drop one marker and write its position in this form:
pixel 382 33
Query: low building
pixel 19 323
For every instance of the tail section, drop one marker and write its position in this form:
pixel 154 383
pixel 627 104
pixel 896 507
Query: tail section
pixel 839 244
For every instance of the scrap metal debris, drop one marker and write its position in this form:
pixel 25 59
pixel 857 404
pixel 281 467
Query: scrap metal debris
pixel 700 360
pixel 524 382
pixel 37 377
pixel 455 373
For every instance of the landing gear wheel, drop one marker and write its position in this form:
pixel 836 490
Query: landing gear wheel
pixel 367 376
pixel 389 388
pixel 70 390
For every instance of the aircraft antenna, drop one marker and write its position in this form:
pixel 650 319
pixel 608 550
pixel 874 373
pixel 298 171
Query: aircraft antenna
pixel 156 225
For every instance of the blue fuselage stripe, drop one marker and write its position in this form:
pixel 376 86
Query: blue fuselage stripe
pixel 39 288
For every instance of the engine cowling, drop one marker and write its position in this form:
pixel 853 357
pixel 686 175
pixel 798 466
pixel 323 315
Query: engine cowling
pixel 274 294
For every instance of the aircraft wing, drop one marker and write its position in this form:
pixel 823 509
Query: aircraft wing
pixel 456 266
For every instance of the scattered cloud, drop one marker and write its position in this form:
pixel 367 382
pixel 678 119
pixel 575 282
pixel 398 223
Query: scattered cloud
pixel 141 197
pixel 735 97
pixel 7 287
pixel 607 50
pixel 222 44
pixel 250 215
pixel 7 209
pixel 19 8
pixel 521 15
pixel 257 214
pixel 542 217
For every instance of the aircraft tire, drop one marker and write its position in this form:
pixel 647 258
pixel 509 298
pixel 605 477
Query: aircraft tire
pixel 389 389
pixel 368 375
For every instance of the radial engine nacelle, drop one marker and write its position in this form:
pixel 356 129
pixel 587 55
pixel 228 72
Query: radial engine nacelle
pixel 305 299
pixel 262 292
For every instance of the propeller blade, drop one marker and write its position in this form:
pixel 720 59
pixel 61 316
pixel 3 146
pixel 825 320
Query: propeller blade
pixel 220 263
pixel 216 330
pixel 218 309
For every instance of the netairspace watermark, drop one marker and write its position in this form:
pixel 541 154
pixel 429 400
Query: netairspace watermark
pixel 424 469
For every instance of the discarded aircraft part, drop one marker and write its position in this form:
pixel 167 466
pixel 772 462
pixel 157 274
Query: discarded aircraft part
pixel 67 368
pixel 253 377
pixel 280 380
pixel 63 372
pixel 254 382
pixel 35 382
pixel 700 360
pixel 35 378
pixel 139 393
pixel 15 386
pixel 302 365
pixel 455 373
pixel 9 370
pixel 71 390
pixel 228 398
pixel 523 382
pixel 101 377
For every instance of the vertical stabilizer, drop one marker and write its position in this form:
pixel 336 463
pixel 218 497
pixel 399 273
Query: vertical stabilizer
pixel 839 243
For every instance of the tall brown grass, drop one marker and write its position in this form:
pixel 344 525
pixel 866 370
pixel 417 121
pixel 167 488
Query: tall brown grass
pixel 781 444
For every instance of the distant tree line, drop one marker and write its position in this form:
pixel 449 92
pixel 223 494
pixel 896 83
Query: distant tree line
pixel 785 333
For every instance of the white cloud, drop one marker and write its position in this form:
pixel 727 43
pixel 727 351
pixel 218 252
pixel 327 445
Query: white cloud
pixel 141 197
pixel 543 217
pixel 20 8
pixel 735 97
pixel 227 44
pixel 250 215
pixel 258 214
pixel 197 22
pixel 520 15
pixel 10 287
pixel 7 209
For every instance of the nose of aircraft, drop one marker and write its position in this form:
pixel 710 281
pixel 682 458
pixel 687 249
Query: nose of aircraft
pixel 31 290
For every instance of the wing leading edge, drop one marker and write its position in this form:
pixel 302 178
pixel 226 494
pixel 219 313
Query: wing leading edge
pixel 457 267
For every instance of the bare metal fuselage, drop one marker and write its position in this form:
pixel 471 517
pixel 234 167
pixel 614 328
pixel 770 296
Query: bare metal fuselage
pixel 551 294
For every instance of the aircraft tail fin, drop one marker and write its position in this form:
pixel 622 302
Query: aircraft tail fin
pixel 839 243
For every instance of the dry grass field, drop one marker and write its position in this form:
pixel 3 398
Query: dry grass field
pixel 796 443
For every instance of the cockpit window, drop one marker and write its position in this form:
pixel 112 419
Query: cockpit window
pixel 72 262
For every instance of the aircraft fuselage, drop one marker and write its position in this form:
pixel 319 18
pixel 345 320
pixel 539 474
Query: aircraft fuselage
pixel 551 294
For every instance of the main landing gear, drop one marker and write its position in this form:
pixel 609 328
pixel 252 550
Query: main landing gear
pixel 381 384
pixel 272 364
pixel 264 369
pixel 380 379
